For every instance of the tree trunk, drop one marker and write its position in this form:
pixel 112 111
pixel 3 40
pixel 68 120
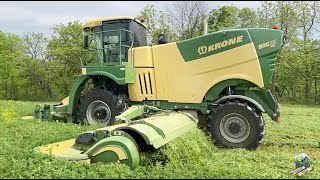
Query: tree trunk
pixel 49 91
pixel 36 92
pixel 306 85
pixel 315 91
pixel 306 91
pixel 293 91
pixel 27 92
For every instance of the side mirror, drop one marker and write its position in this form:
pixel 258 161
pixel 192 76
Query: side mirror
pixel 163 39
pixel 86 42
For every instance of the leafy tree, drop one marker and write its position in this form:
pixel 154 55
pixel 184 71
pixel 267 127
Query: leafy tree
pixel 185 18
pixel 225 16
pixel 231 17
pixel 36 44
pixel 11 55
pixel 35 68
pixel 247 18
pixel 156 23
pixel 66 50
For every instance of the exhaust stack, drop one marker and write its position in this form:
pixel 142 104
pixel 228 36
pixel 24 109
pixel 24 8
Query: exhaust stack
pixel 206 25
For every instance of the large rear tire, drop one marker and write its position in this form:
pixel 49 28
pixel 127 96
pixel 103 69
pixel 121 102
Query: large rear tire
pixel 236 125
pixel 100 106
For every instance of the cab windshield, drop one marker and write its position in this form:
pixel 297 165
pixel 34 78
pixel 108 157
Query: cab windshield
pixel 111 42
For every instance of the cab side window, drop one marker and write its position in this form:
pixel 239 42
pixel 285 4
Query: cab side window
pixel 139 32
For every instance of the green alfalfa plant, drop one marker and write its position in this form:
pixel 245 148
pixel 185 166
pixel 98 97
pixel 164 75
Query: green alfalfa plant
pixel 8 114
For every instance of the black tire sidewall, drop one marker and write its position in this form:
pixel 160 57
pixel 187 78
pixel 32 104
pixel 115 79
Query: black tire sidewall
pixel 102 95
pixel 252 141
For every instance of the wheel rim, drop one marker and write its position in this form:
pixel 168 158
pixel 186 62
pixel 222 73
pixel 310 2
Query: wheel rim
pixel 98 112
pixel 234 128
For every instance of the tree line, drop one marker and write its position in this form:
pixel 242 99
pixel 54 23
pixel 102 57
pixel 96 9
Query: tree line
pixel 35 67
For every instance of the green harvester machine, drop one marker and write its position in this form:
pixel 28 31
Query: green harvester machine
pixel 146 96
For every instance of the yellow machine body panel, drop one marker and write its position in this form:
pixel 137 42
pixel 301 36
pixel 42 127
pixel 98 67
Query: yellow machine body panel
pixel 145 86
pixel 175 80
pixel 143 57
pixel 180 81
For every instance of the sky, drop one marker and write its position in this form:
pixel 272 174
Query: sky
pixel 40 16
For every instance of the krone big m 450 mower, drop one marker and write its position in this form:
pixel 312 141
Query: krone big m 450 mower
pixel 149 95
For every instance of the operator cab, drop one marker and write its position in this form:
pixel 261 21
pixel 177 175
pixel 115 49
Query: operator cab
pixel 111 38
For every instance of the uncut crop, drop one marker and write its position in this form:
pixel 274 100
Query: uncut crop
pixel 192 155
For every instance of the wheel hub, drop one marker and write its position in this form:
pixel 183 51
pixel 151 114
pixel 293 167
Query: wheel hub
pixel 98 112
pixel 234 128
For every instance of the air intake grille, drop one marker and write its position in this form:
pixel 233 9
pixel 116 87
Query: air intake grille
pixel 145 83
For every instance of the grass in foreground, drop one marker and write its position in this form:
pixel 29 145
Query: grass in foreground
pixel 190 156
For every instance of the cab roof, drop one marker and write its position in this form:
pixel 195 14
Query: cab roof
pixel 98 21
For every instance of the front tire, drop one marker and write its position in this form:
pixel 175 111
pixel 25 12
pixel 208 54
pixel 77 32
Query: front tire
pixel 236 125
pixel 100 106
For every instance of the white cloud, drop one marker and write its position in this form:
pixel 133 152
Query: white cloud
pixel 34 16
pixel 242 4
pixel 9 14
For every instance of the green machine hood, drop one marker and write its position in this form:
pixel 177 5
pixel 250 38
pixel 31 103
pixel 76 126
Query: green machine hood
pixel 268 43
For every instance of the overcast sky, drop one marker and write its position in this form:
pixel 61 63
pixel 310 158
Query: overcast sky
pixel 40 16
